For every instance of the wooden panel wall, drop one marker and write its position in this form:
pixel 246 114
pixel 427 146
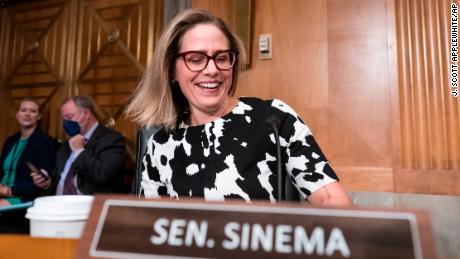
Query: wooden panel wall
pixel 55 48
pixel 360 87
pixel 429 113
pixel 7 114
pixel 31 52
pixel 115 41
pixel 430 128
pixel 339 64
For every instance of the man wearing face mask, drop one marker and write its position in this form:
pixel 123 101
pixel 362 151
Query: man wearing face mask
pixel 91 161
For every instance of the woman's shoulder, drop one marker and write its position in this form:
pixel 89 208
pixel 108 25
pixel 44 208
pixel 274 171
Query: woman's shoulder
pixel 269 104
pixel 40 134
pixel 258 101
pixel 283 107
pixel 42 139
pixel 12 138
pixel 254 101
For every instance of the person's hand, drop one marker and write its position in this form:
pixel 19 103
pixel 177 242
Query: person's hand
pixel 77 142
pixel 40 181
pixel 5 190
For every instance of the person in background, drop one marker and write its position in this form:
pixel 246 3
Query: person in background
pixel 91 161
pixel 30 147
pixel 212 144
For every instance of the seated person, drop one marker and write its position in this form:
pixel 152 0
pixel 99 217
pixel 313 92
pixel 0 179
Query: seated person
pixel 91 161
pixel 212 144
pixel 29 145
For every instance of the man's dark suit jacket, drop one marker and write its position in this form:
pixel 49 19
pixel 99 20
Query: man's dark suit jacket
pixel 40 151
pixel 99 167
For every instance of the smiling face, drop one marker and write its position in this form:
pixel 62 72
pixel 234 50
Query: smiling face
pixel 206 90
pixel 28 114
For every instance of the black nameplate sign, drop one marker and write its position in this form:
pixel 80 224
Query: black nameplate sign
pixel 190 229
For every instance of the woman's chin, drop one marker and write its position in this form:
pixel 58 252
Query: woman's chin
pixel 28 125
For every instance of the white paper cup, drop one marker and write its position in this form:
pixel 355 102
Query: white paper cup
pixel 62 216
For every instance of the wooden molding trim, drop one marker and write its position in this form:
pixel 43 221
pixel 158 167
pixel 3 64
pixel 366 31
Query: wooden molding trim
pixel 379 179
pixel 376 179
pixel 444 182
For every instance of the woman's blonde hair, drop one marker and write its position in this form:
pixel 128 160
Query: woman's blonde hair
pixel 156 99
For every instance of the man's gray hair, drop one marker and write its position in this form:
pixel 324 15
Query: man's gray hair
pixel 85 102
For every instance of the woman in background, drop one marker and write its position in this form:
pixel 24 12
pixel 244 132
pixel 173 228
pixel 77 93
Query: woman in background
pixel 29 147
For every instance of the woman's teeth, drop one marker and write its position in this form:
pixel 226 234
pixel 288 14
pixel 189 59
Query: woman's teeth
pixel 208 85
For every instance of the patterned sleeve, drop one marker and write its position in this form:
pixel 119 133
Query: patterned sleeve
pixel 307 166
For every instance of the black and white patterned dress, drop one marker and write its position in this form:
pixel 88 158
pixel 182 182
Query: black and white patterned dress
pixel 235 156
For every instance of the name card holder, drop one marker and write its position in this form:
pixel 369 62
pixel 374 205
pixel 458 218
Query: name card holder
pixel 128 227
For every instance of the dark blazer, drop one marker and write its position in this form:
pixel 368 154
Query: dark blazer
pixel 99 167
pixel 40 151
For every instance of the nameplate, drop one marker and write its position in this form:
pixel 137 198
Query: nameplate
pixel 134 228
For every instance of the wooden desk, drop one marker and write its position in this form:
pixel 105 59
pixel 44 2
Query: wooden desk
pixel 24 246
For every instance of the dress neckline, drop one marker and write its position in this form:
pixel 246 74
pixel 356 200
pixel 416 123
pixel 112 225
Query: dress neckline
pixel 184 125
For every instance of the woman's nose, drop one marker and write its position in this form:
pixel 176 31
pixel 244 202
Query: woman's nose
pixel 211 68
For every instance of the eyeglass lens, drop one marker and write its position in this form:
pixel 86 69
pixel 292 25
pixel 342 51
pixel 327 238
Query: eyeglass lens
pixel 197 61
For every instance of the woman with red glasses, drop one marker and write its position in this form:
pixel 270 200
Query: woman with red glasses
pixel 211 144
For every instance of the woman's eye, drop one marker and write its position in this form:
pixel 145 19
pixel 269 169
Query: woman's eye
pixel 196 59
pixel 222 59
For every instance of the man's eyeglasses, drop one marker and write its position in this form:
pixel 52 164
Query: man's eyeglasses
pixel 197 61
